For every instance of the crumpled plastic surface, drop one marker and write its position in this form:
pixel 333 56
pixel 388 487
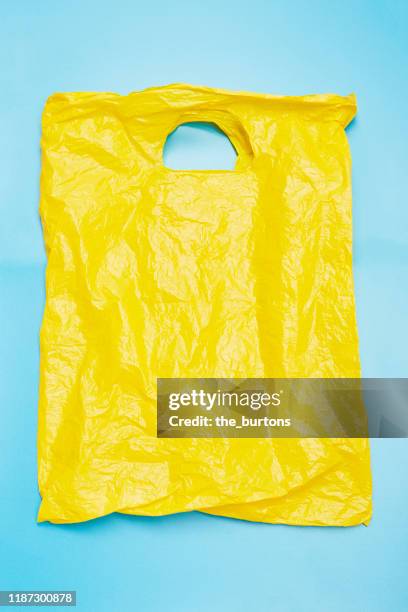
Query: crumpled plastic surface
pixel 155 272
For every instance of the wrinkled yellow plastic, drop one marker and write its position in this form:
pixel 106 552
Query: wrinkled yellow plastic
pixel 161 273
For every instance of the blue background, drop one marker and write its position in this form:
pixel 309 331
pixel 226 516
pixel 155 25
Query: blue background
pixel 195 562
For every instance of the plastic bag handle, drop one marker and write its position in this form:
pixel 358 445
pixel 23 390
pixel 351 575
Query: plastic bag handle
pixel 225 120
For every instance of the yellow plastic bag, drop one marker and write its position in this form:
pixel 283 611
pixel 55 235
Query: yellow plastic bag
pixel 161 273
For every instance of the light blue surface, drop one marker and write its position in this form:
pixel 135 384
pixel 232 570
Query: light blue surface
pixel 197 563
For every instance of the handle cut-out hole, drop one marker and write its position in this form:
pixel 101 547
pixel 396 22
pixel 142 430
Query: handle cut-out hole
pixel 199 146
